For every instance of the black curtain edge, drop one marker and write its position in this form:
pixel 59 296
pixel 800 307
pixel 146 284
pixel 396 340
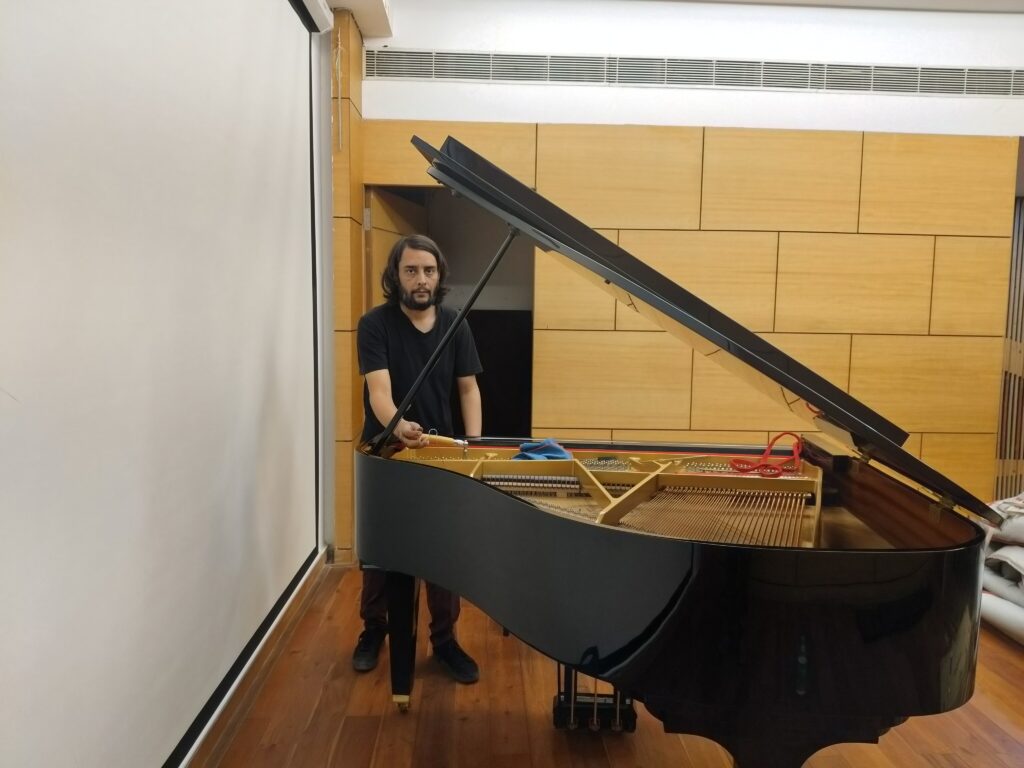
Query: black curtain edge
pixel 191 737
pixel 304 16
pixel 316 308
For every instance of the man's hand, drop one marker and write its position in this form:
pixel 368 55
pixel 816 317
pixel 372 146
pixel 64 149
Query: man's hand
pixel 410 433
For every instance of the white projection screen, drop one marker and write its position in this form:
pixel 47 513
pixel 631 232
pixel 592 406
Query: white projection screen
pixel 158 437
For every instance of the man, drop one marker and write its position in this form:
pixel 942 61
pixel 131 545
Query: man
pixel 395 340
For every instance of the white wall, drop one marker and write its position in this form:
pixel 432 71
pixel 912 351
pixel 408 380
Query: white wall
pixel 702 30
pixel 157 449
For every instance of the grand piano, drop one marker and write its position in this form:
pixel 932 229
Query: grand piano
pixel 776 601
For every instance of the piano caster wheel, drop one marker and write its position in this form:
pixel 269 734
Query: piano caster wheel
pixel 403 707
pixel 402 701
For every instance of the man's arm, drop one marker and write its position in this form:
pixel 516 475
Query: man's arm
pixel 378 384
pixel 472 412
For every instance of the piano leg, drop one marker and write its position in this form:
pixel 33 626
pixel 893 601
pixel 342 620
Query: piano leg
pixel 403 606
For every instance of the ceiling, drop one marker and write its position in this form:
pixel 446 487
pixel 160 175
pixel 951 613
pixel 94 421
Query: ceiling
pixel 984 6
pixel 375 16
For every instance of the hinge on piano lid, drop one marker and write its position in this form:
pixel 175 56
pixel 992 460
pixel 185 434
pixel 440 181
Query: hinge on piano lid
pixel 942 503
pixel 833 450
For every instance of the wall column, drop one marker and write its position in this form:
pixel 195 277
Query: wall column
pixel 346 134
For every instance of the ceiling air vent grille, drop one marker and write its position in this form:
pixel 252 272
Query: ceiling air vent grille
pixel 400 64
pixel 818 74
pixel 577 69
pixel 943 80
pixel 690 72
pixel 780 74
pixel 513 67
pixel 390 64
pixel 895 80
pixel 847 77
pixel 641 72
pixel 989 82
pixel 462 66
pixel 738 74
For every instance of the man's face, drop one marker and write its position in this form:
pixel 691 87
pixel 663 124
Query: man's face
pixel 417 273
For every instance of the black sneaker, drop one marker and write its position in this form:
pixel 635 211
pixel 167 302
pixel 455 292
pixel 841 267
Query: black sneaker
pixel 368 649
pixel 456 662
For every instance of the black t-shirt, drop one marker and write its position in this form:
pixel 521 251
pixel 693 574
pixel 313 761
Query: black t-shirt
pixel 387 339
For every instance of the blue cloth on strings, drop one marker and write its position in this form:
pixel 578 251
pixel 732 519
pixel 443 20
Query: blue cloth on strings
pixel 543 449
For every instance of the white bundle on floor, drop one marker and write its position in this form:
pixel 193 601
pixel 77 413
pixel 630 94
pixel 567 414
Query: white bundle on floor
pixel 1005 616
pixel 1002 604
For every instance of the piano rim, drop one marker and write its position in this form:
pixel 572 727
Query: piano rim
pixel 698 449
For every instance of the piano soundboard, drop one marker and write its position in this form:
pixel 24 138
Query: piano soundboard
pixel 696 497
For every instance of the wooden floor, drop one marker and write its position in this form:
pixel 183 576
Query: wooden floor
pixel 313 710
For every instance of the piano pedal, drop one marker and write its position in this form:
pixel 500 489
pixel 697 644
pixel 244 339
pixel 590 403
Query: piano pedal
pixel 611 711
pixel 603 713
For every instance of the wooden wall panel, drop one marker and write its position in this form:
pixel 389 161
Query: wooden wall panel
pixel 722 401
pixel 913 444
pixel 563 299
pixel 609 379
pixel 391 217
pixel 929 383
pixel 622 176
pixel 732 271
pixel 392 213
pixel 348 262
pixel 943 185
pixel 781 180
pixel 568 433
pixel 379 243
pixel 347 59
pixel 390 158
pixel 691 436
pixel 969 460
pixel 348 392
pixel 344 538
pixel 348 274
pixel 854 283
pixel 347 177
pixel 971 286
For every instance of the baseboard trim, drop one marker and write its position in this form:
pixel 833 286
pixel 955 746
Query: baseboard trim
pixel 214 741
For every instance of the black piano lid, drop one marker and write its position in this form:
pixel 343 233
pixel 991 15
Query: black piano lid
pixel 821 403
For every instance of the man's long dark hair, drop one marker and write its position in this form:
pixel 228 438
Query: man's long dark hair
pixel 389 277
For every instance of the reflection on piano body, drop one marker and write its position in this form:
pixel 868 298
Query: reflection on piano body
pixel 775 615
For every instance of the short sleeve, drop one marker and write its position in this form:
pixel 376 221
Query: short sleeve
pixel 467 361
pixel 372 344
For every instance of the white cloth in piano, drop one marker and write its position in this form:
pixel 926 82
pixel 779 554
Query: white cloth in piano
pixel 1005 616
pixel 1002 604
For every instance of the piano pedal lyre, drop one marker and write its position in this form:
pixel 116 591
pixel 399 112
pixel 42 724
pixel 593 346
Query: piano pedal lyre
pixel 601 711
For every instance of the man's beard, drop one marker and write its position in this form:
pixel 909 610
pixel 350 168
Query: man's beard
pixel 411 301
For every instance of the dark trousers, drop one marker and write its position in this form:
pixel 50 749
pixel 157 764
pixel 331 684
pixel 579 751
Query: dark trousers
pixel 373 606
